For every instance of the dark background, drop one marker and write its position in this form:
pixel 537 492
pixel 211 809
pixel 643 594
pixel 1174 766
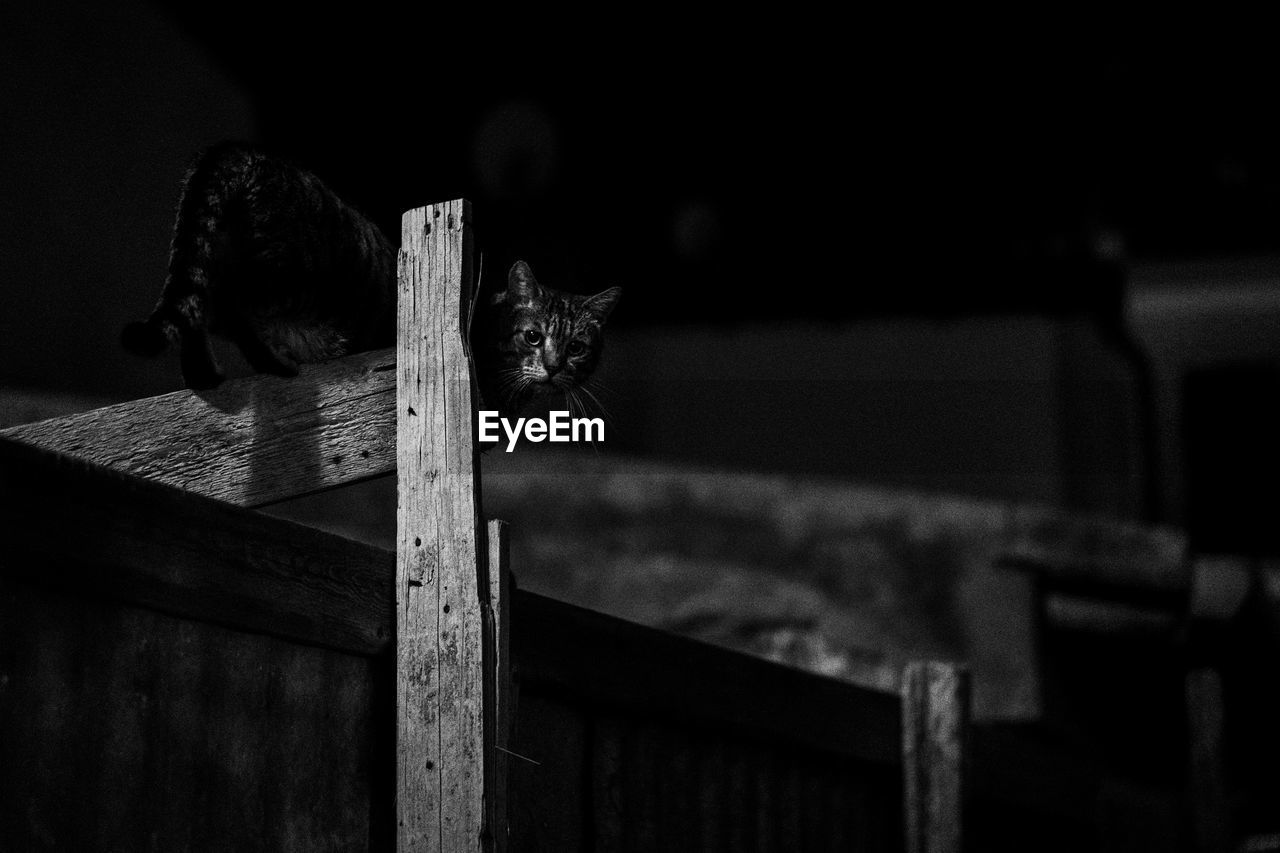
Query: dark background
pixel 970 209
pixel 726 170
pixel 1028 261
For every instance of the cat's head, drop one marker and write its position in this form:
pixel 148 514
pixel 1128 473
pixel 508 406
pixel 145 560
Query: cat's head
pixel 545 341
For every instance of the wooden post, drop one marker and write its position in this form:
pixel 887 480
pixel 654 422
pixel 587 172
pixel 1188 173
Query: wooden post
pixel 499 709
pixel 441 571
pixel 935 716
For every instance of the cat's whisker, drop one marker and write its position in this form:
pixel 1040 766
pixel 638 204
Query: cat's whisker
pixel 604 390
pixel 583 409
pixel 604 410
pixel 512 377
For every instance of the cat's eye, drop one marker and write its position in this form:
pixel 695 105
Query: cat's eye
pixel 532 337
pixel 576 348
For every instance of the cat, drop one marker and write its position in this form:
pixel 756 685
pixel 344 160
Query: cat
pixel 265 255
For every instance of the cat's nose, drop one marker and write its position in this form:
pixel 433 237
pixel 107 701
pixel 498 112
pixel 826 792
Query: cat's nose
pixel 552 368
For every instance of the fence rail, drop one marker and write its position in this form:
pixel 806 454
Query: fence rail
pixel 181 671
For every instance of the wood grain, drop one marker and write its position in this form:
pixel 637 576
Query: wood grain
pixel 565 650
pixel 123 729
pixel 126 729
pixel 935 716
pixel 251 441
pixel 92 531
pixel 440 679
pixel 499 708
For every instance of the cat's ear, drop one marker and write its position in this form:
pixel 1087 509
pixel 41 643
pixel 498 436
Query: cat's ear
pixel 521 283
pixel 601 305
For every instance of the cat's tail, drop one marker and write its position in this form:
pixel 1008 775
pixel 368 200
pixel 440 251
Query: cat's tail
pixel 148 338
pixel 211 180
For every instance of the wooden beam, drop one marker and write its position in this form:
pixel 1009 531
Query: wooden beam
pixel 440 559
pixel 579 655
pixel 87 530
pixel 92 531
pixel 935 717
pixel 251 441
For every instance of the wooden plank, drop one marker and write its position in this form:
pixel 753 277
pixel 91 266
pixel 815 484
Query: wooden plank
pixel 251 441
pixel 158 547
pixel 440 679
pixel 126 729
pixel 935 711
pixel 550 785
pixel 498 650
pixel 568 651
pixel 88 530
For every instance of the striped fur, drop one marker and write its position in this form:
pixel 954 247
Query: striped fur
pixel 540 341
pixel 268 257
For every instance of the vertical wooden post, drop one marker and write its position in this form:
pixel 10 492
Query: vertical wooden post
pixel 935 717
pixel 441 574
pixel 498 710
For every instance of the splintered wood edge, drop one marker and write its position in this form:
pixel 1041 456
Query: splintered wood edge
pixel 440 594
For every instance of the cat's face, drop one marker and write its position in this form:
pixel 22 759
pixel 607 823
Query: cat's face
pixel 547 341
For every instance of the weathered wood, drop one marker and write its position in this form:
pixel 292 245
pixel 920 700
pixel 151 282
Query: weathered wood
pixel 935 711
pixel 440 683
pixel 126 729
pixel 566 650
pixel 89 530
pixel 498 664
pixel 251 441
pixel 152 545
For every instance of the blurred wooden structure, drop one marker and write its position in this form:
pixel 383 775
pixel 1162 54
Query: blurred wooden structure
pixel 179 671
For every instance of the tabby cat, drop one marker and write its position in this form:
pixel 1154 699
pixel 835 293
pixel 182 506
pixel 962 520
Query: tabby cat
pixel 268 257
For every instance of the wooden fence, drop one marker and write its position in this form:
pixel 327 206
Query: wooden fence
pixel 179 671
